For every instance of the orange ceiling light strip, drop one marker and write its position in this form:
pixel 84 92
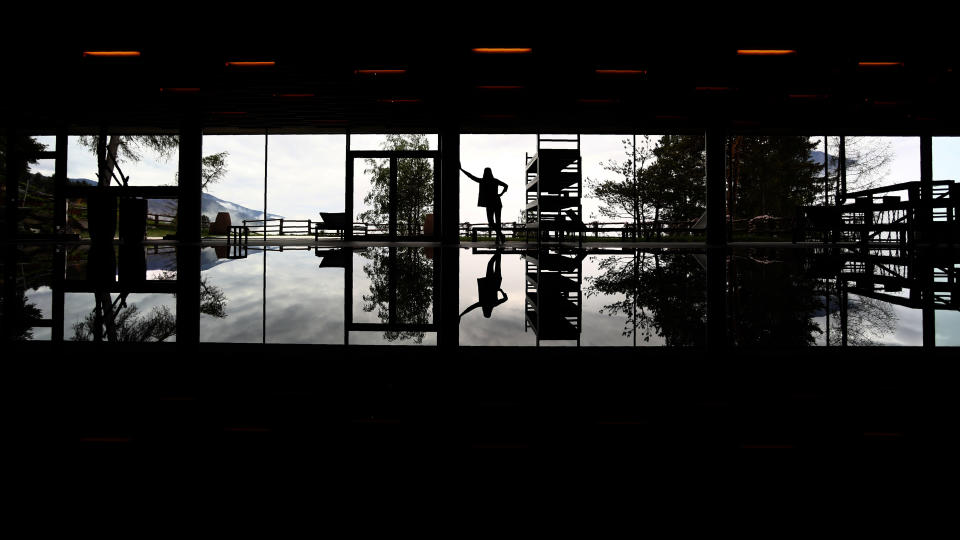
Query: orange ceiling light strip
pixel 598 100
pixel 380 71
pixel 880 64
pixel 765 52
pixel 503 50
pixel 245 63
pixel 621 71
pixel 111 54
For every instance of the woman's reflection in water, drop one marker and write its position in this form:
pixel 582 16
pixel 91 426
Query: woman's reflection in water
pixel 488 287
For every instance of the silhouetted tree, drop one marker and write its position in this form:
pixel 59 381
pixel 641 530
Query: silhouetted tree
pixel 661 182
pixel 631 195
pixel 414 186
pixel 868 161
pixel 25 146
pixel 772 175
pixel 679 173
pixel 120 148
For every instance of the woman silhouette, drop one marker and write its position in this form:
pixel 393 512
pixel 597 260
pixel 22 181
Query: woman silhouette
pixel 490 199
pixel 488 287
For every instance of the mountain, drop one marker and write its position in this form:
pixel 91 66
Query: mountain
pixel 816 156
pixel 209 206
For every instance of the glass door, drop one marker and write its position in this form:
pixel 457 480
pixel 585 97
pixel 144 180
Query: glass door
pixel 394 194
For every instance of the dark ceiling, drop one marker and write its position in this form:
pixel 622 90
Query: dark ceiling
pixel 321 85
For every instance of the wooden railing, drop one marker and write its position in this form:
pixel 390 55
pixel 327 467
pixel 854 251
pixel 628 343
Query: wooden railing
pixel 279 227
pixel 594 229
pixel 160 219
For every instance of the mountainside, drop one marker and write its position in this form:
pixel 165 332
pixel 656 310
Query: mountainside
pixel 816 156
pixel 209 206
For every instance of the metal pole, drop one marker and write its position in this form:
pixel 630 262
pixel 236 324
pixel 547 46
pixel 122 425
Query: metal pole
pixel 716 297
pixel 449 218
pixel 263 310
pixel 636 209
pixel 843 168
pixel 347 294
pixel 190 181
pixel 716 187
pixel 392 218
pixel 60 183
pixel 926 184
pixel 348 193
pixel 826 173
pixel 188 294
pixel 265 142
pixel 12 185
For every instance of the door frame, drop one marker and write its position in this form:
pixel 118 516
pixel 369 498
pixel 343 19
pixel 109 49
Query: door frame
pixel 393 156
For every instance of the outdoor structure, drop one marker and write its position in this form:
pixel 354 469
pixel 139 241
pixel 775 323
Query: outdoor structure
pixel 554 297
pixel 554 188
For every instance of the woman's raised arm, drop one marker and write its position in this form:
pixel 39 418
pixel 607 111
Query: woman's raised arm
pixel 472 177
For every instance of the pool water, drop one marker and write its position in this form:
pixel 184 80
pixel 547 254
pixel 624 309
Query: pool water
pixel 518 296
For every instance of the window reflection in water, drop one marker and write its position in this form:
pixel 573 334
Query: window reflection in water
pixel 602 296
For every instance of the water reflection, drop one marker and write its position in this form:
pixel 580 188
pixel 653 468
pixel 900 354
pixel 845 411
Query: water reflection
pixel 489 288
pixel 660 294
pixel 507 296
pixel 400 291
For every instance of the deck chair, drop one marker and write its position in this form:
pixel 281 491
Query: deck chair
pixel 332 221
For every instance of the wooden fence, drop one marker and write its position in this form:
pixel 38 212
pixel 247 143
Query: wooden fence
pixel 156 220
pixel 279 227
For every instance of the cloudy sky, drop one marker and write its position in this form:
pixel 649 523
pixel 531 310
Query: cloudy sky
pixel 306 172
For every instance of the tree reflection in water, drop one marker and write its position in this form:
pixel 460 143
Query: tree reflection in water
pixel 401 288
pixel 868 320
pixel 771 302
pixel 663 294
pixel 27 312
pixel 114 320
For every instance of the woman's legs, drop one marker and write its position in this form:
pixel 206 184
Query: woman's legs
pixel 493 220
pixel 498 228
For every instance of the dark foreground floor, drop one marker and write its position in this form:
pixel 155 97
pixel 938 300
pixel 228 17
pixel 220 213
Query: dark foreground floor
pixel 336 400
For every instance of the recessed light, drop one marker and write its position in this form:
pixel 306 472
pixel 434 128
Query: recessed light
pixel 111 54
pixel 503 50
pixel 245 63
pixel 765 52
pixel 379 71
pixel 621 71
